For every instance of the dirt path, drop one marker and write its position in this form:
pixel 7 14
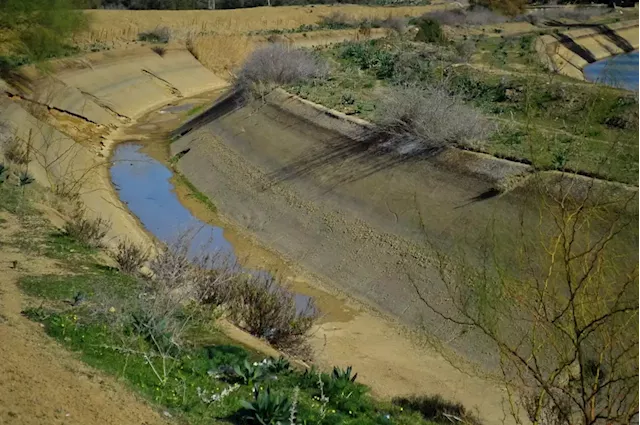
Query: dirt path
pixel 41 382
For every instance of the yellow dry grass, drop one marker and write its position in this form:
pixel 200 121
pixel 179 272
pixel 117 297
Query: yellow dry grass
pixel 108 26
pixel 223 54
pixel 220 39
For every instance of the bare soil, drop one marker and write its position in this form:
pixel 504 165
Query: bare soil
pixel 41 382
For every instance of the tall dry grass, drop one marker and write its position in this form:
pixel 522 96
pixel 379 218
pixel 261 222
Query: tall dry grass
pixel 220 39
pixel 124 25
pixel 222 54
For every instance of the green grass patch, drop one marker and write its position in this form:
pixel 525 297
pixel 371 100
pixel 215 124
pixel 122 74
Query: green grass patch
pixel 199 373
pixel 66 287
pixel 54 244
pixel 195 110
pixel 560 123
pixel 100 313
pixel 16 200
pixel 193 191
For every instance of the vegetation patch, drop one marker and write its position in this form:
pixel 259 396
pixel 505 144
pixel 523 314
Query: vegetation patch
pixel 39 30
pixel 154 335
pixel 543 119
pixel 156 35
pixel 193 191
pixel 278 64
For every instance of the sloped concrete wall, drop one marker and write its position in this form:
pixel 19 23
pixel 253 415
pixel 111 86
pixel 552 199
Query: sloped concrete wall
pixel 570 51
pixel 108 90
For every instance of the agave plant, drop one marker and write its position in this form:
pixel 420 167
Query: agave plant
pixel 279 365
pixel 249 373
pixel 267 408
pixel 25 178
pixel 343 375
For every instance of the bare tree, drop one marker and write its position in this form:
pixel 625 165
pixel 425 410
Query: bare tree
pixel 564 318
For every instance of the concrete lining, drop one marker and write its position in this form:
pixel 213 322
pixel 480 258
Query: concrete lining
pixel 570 51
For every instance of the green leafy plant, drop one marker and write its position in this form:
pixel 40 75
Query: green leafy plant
pixel 249 373
pixel 267 407
pixel 42 28
pixel 279 366
pixel 369 56
pixel 344 375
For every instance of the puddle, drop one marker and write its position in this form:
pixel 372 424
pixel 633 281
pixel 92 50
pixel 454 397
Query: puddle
pixel 144 185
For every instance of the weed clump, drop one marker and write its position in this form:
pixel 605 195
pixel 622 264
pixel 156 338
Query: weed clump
pixel 417 119
pixel 14 151
pixel 430 31
pixel 337 20
pixel 437 409
pixel 156 35
pixel 477 15
pixel 277 64
pixel 86 230
pixel 129 256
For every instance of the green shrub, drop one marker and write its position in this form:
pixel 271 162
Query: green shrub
pixel 369 56
pixel 430 31
pixel 337 20
pixel 156 35
pixel 42 27
pixel 249 373
pixel 4 173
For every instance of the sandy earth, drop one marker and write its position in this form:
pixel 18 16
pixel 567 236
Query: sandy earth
pixel 40 381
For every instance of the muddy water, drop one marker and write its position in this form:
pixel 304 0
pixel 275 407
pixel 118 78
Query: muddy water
pixel 167 208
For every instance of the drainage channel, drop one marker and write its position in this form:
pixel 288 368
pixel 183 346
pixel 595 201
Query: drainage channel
pixel 144 185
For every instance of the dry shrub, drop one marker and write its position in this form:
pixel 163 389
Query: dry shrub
pixel 14 151
pixel 88 231
pixel 337 20
pixel 255 302
pixel 279 64
pixel 477 15
pixel 417 119
pixel 202 277
pixel 437 409
pixel 265 309
pixel 396 23
pixel 221 53
pixel 129 256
